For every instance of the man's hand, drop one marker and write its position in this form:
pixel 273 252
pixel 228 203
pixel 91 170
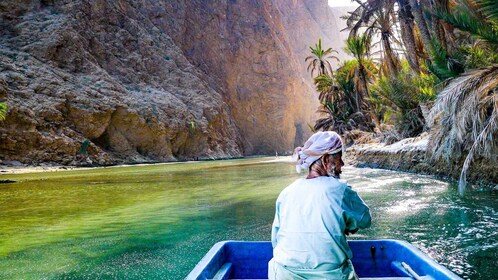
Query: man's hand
pixel 347 232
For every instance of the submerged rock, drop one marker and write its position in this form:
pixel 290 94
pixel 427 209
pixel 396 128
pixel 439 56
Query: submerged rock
pixel 7 181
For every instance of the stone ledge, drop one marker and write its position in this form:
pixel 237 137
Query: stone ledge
pixel 411 155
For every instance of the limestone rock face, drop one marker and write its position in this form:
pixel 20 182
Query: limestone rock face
pixel 243 47
pixel 150 80
pixel 100 70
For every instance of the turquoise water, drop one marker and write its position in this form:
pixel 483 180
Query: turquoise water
pixel 157 221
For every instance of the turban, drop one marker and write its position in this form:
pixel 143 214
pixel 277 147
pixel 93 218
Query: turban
pixel 319 144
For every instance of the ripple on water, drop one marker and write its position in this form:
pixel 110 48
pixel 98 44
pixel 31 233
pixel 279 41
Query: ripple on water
pixel 157 222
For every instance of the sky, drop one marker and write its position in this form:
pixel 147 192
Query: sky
pixel 341 3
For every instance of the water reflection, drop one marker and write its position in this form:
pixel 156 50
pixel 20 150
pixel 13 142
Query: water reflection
pixel 149 222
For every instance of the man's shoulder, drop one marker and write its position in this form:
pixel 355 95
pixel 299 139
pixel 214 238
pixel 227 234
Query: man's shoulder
pixel 335 182
pixel 292 186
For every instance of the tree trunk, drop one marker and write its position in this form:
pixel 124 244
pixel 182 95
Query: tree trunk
pixel 437 24
pixel 426 112
pixel 406 23
pixel 322 68
pixel 390 56
pixel 422 24
pixel 371 108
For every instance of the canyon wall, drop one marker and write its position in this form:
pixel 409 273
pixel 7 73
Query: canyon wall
pixel 154 80
pixel 308 20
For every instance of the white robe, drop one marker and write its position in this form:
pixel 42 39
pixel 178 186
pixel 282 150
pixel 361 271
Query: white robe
pixel 308 232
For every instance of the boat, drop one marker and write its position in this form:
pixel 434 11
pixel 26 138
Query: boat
pixel 385 259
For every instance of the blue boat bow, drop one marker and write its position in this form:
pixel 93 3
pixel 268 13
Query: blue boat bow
pixel 372 259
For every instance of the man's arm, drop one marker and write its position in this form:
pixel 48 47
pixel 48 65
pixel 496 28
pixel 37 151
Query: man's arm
pixel 357 214
pixel 276 225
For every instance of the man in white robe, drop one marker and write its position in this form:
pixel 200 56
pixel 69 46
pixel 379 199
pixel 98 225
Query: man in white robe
pixel 314 214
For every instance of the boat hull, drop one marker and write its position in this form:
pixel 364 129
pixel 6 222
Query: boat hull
pixel 372 259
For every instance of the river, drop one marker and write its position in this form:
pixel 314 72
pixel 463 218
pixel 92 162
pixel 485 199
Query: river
pixel 157 221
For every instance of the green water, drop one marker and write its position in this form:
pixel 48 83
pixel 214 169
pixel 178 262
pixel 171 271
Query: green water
pixel 157 221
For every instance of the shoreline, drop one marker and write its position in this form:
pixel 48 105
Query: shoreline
pixel 9 170
pixel 6 169
pixel 406 155
pixel 410 155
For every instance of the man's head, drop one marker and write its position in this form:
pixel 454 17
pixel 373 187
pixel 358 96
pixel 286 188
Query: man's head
pixel 328 165
pixel 325 146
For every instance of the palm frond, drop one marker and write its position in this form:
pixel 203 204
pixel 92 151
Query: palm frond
pixel 309 57
pixel 442 65
pixel 489 8
pixel 466 117
pixel 464 18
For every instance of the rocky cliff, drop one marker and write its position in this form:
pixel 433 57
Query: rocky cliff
pixel 308 20
pixel 154 80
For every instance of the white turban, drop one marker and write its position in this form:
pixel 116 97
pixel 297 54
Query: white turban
pixel 319 144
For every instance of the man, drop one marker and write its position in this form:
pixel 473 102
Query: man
pixel 314 214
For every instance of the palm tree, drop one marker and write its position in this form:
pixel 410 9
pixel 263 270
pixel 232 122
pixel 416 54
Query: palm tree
pixel 377 17
pixel 442 57
pixel 418 14
pixel 466 111
pixel 336 90
pixel 325 85
pixel 348 82
pixel 319 60
pixel 336 106
pixel 407 30
pixel 399 97
pixel 359 48
pixel 340 106
pixel 480 22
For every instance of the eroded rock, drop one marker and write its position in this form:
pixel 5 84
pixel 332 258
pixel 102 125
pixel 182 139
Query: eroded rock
pixel 149 81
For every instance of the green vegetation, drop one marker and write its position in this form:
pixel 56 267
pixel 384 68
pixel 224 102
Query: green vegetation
pixel 3 110
pixel 440 56
pixel 399 97
pixel 319 60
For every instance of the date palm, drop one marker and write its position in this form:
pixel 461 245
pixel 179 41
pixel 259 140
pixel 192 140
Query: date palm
pixel 336 90
pixel 416 8
pixel 467 114
pixel 337 105
pixel 466 111
pixel 359 48
pixel 407 30
pixel 480 21
pixel 319 59
pixel 377 17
